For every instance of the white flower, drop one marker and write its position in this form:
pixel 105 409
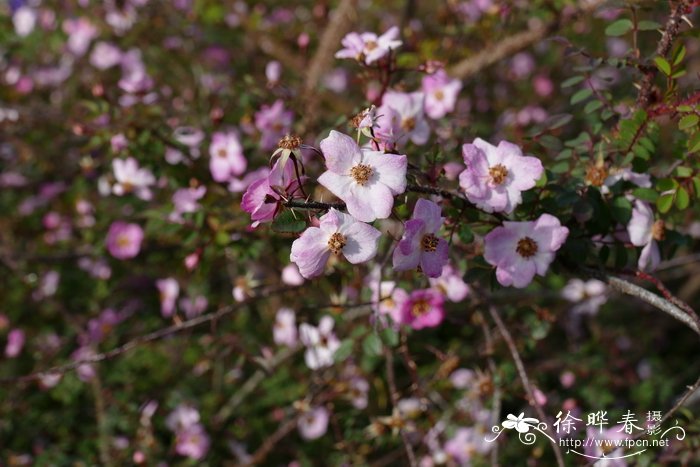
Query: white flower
pixel 131 178
pixel 321 344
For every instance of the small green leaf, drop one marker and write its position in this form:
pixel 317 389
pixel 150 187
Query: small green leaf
pixel 557 121
pixel 581 95
pixel 592 106
pixel 344 351
pixel 571 81
pixel 647 25
pixel 621 210
pixel 679 55
pixel 682 198
pixel 664 202
pixel 645 194
pixel 372 345
pixel 688 121
pixel 663 65
pixel 694 142
pixel 288 222
pixel 683 171
pixel 666 184
pixel 619 28
pixel 696 186
pixel 390 337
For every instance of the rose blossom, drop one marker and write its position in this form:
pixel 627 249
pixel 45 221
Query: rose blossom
pixel 423 309
pixel 419 246
pixel 321 343
pixel 440 94
pixel 366 180
pixel 519 250
pixel 227 159
pixel 337 233
pixel 284 330
pixel 496 175
pixel 132 178
pixel 314 423
pixel 169 289
pixel 367 46
pixel 124 240
pixel 645 232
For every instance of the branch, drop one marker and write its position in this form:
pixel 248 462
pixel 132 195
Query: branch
pixel 341 21
pixel 394 395
pixel 671 30
pixel 525 380
pixel 652 299
pixel 519 41
pixel 132 344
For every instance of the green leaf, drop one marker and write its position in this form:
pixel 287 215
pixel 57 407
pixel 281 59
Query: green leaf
pixel 663 65
pixel 571 81
pixel 621 210
pixel 683 171
pixel 645 194
pixel 682 198
pixel 592 106
pixel 696 186
pixel 344 351
pixel 694 142
pixel 581 95
pixel 647 25
pixel 390 337
pixel 619 28
pixel 664 203
pixel 679 55
pixel 689 121
pixel 666 184
pixel 372 345
pixel 288 222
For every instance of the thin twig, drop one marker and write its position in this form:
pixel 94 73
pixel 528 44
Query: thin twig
pixel 394 395
pixel 140 340
pixel 513 44
pixel 654 300
pixel 525 380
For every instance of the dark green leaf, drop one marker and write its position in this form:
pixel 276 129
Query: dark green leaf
pixel 288 222
pixel 619 28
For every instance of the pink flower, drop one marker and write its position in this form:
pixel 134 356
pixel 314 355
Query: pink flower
pixel 465 444
pixel 588 296
pixel 401 118
pixel 227 159
pixel 85 371
pixel 131 178
pixel 419 246
pixel 367 47
pixel 124 240
pixel 337 233
pixel 192 442
pixel 645 232
pixel 519 250
pixel 24 20
pixel 291 276
pixel 440 94
pixel 80 33
pixel 366 180
pixel 193 307
pixel 15 343
pixel 169 289
pixel 285 330
pixel 184 416
pixel 273 122
pixel 496 176
pixel 321 343
pixel 423 309
pixel 185 201
pixel 314 423
pixel 99 328
pixel 451 284
pixel 105 55
pixel 263 197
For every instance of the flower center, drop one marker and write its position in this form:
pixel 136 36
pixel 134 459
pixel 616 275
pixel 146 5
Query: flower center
pixel 290 142
pixel 361 173
pixel 123 241
pixel 596 175
pixel 222 152
pixel 498 174
pixel 336 243
pixel 527 247
pixel 439 95
pixel 370 46
pixel 420 307
pixel 408 124
pixel 429 242
pixel 658 230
